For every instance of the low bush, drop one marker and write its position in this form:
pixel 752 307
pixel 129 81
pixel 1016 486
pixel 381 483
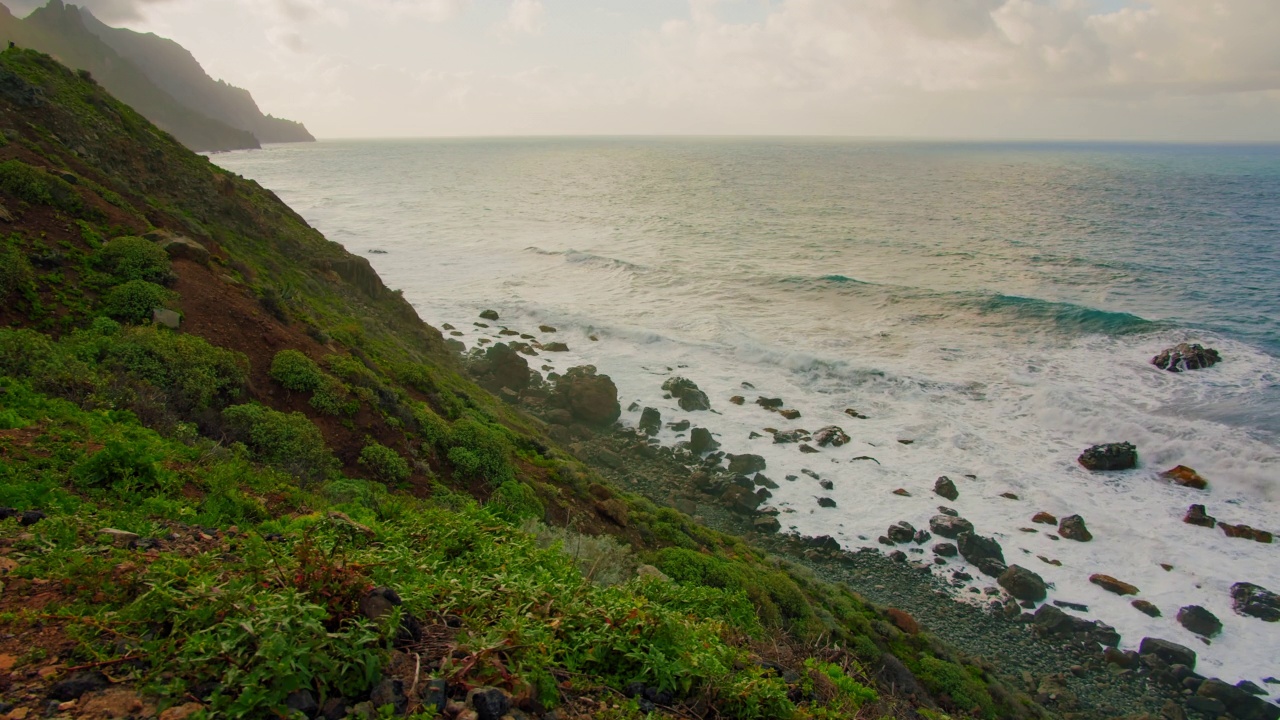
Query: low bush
pixel 600 558
pixel 481 450
pixel 333 398
pixel 384 464
pixel 515 501
pixel 119 466
pixel 967 693
pixel 295 371
pixel 134 301
pixel 38 187
pixel 192 374
pixel 16 275
pixel 132 258
pixel 288 441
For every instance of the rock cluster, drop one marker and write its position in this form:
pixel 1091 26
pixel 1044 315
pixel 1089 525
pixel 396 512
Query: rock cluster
pixel 1111 456
pixel 1186 356
pixel 687 394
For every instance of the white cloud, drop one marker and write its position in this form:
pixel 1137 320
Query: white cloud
pixel 524 17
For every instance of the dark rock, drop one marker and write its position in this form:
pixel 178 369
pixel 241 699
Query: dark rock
pixel 769 403
pixel 949 526
pixel 555 347
pixel 831 435
pixel 1110 584
pixel 679 425
pixel 379 602
pixel 922 536
pixel 737 400
pixel 1022 583
pixel 30 517
pixel 974 547
pixel 334 709
pixel 650 421
pixel 1186 477
pixel 902 492
pixel 1251 687
pixel 1246 532
pixel 1072 528
pixel 1170 652
pixel 1078 607
pixel 854 414
pixel 592 398
pixel 1112 456
pixel 76 685
pixel 302 701
pixel 1199 621
pixel 1255 601
pixel 945 550
pixel 1238 702
pixel 898 556
pixel 767 524
pixel 990 567
pixel 1196 515
pixel 825 543
pixel 741 500
pixel 1123 658
pixel 1207 706
pixel 790 414
pixel 783 437
pixel 946 488
pixel 687 394
pixel 826 502
pixel 389 692
pixel 1146 608
pixel 1008 496
pixel 746 463
pixel 1186 356
pixel 806 448
pixel 901 532
pixel 700 441
pixel 8 512
pixel 948 511
pixel 826 484
pixel 490 703
pixel 762 479
pixel 1044 518
pixel 489 315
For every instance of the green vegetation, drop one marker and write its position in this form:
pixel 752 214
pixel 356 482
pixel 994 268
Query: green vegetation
pixel 384 464
pixel 37 187
pixel 133 258
pixel 296 371
pixel 16 275
pixel 134 301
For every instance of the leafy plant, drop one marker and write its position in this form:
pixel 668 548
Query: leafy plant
pixel 288 441
pixel 295 371
pixel 515 501
pixel 133 258
pixel 134 301
pixel 16 274
pixel 384 463
pixel 38 187
pixel 119 464
pixel 481 450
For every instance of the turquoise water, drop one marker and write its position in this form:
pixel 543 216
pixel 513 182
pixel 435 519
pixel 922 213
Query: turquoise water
pixel 996 304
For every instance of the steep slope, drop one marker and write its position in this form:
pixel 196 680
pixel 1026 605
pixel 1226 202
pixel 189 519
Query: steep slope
pixel 60 31
pixel 176 71
pixel 239 477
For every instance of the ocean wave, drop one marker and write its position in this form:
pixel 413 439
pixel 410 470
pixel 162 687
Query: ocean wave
pixel 579 257
pixel 1065 316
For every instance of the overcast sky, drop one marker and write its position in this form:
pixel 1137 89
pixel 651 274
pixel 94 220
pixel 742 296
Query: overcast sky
pixel 1108 69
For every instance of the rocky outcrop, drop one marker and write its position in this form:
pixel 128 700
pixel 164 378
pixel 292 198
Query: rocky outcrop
pixel 1169 652
pixel 1255 601
pixel 983 552
pixel 831 435
pixel 1111 456
pixel 1022 583
pixel 1199 621
pixel 687 394
pixel 1246 532
pixel 505 368
pixel 592 398
pixel 901 532
pixel 1186 356
pixel 1050 621
pixel 1186 477
pixel 650 421
pixel 700 441
pixel 946 488
pixel 949 526
pixel 1072 528
pixel 1196 515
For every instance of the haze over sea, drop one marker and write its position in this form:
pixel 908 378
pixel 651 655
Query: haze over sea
pixel 995 304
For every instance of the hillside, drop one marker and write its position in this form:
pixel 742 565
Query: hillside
pixel 153 75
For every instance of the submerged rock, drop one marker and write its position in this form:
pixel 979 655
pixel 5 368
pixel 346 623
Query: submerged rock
pixel 769 403
pixel 489 315
pixel 946 488
pixel 1199 621
pixel 1072 528
pixel 1111 456
pixel 687 394
pixel 1186 356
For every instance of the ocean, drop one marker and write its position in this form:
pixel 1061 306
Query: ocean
pixel 995 305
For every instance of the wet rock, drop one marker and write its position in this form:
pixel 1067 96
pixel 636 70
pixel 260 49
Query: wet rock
pixel 948 511
pixel 1022 583
pixel 1255 601
pixel 806 448
pixel 790 414
pixel 826 502
pixel 1196 515
pixel 592 398
pixel 555 347
pixel 1044 518
pixel 490 703
pixel 1199 621
pixel 1112 456
pixel 901 532
pixel 546 329
pixel 1186 356
pixel 1246 532
pixel 762 479
pixel 390 692
pixel 769 403
pixel 898 556
pixel 902 492
pixel 700 441
pixel 1186 477
pixel 1049 621
pixel 832 436
pixel 1008 496
pixel 1169 652
pixel 1146 608
pixel 945 550
pixel 854 414
pixel 76 685
pixel 782 437
pixel 746 463
pixel 767 524
pixel 1110 584
pixel 946 488
pixel 687 394
pixel 742 500
pixel 826 484
pixel 1072 528
pixel 489 315
pixel 737 400
pixel 1236 701
pixel 985 553
pixel 678 426
pixel 1123 658
pixel 949 526
pixel 650 421
pixel 922 536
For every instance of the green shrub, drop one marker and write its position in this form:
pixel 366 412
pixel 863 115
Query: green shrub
pixel 119 465
pixel 288 441
pixel 333 398
pixel 850 695
pixel 384 463
pixel 16 275
pixel 296 371
pixel 38 187
pixel 481 450
pixel 133 258
pixel 966 692
pixel 515 501
pixel 134 301
pixel 191 373
pixel 433 428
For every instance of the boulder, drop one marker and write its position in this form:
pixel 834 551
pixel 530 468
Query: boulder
pixel 762 479
pixel 789 414
pixel 1146 608
pixel 687 394
pixel 167 318
pixel 1072 528
pixel 1199 621
pixel 1050 621
pixel 489 315
pixel 1170 652
pixel 76 685
pixel 592 398
pixel 767 524
pixel 1110 584
pixel 179 246
pixel 1111 456
pixel 650 421
pixel 1044 518
pixel 985 553
pixel 507 367
pixel 379 602
pixel 1196 515
pixel 1186 356
pixel 1022 583
pixel 831 435
pixel 826 502
pixel 700 441
pixel 922 536
pixel 738 400
pixel 746 463
pixel 901 532
pixel 1237 701
pixel 949 526
pixel 555 347
pixel 945 550
pixel 1185 477
pixel 1255 601
pixel 1246 532
pixel 741 500
pixel 946 488
pixel 769 403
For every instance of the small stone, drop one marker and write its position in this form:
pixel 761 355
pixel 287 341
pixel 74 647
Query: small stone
pixel 901 492
pixel 806 448
pixel 546 329
pixel 1072 528
pixel 1196 515
pixel 948 511
pixel 76 685
pixel 827 484
pixel 826 502
pixel 1146 608
pixel 745 463
pixel 946 488
pixel 1186 356
pixel 1185 477
pixel 1199 621
pixel 490 703
pixel 789 414
pixel 1110 584
pixel 737 400
pixel 945 549
pixel 1008 496
pixel 489 315
pixel 302 701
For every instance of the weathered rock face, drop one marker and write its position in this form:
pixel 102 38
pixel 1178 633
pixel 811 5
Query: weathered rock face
pixel 949 526
pixel 1072 528
pixel 700 441
pixel 985 553
pixel 746 464
pixel 1196 515
pixel 1255 601
pixel 1246 532
pixel 1110 584
pixel 1186 356
pixel 1112 456
pixel 1170 652
pixel 1022 583
pixel 945 550
pixel 592 398
pixel 1050 621
pixel 650 421
pixel 507 367
pixel 831 435
pixel 1185 477
pixel 901 532
pixel 687 394
pixel 946 488
pixel 1199 621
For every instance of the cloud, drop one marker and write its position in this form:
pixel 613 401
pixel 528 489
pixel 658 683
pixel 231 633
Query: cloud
pixel 434 11
pixel 524 17
pixel 105 10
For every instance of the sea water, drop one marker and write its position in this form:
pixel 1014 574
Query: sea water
pixel 996 306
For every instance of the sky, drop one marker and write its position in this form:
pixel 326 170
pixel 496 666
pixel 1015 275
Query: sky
pixel 1156 70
